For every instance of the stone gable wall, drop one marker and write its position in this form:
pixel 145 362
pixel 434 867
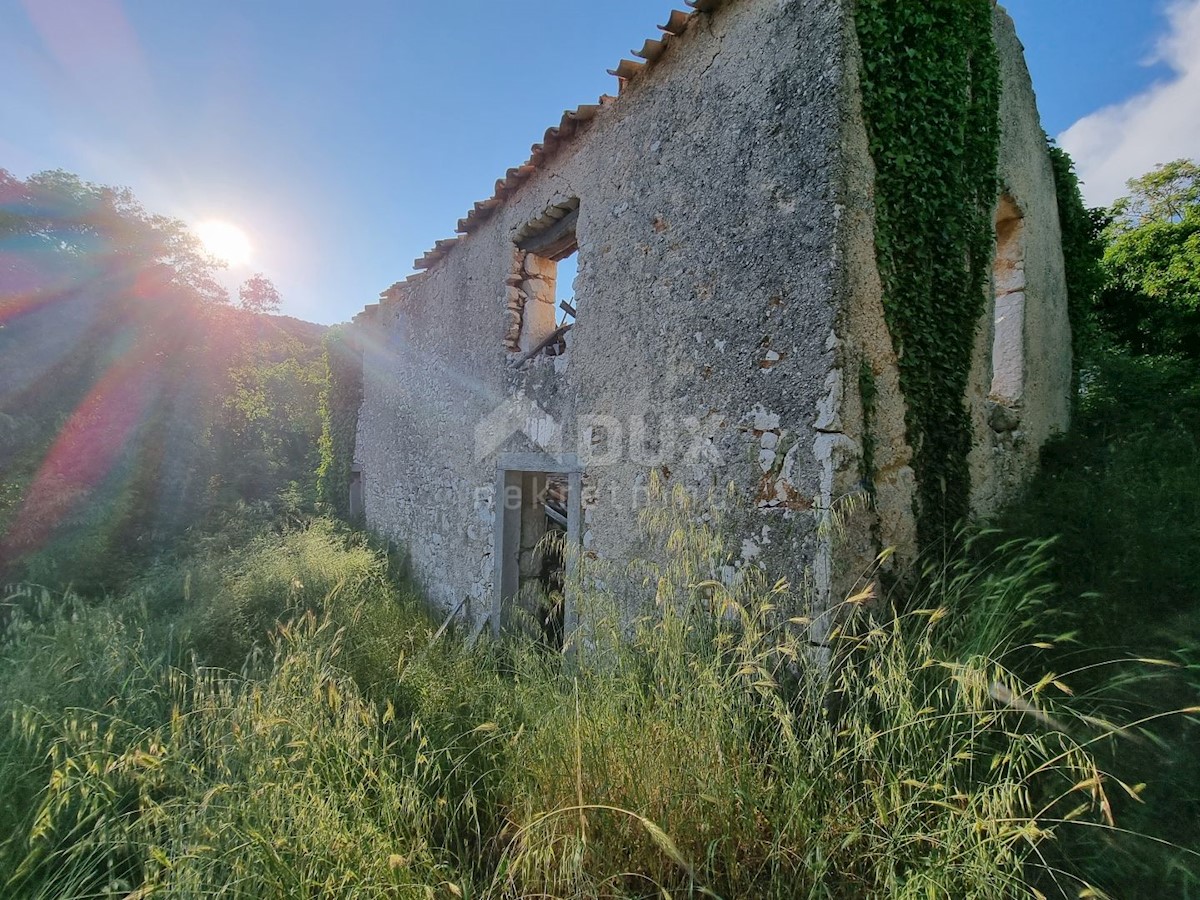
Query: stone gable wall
pixel 729 316
pixel 1011 426
pixel 705 294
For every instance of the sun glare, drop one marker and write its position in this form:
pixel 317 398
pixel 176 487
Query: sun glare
pixel 224 241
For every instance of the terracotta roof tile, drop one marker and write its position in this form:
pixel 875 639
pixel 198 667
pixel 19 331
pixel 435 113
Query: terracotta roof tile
pixel 627 70
pixel 573 121
pixel 651 50
pixel 678 22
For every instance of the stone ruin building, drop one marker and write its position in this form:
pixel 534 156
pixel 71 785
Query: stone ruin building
pixel 719 213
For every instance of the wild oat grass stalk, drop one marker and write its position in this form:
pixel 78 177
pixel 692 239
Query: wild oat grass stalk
pixel 691 744
pixel 918 764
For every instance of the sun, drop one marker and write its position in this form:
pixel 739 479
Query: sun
pixel 224 241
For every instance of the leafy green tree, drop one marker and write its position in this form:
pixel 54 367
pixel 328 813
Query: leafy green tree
pixel 259 295
pixel 100 305
pixel 1164 194
pixel 266 432
pixel 62 227
pixel 1152 302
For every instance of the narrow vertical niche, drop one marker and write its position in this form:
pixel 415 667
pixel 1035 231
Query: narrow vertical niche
pixel 1008 280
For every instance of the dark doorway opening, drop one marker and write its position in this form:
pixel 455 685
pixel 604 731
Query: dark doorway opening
pixel 537 526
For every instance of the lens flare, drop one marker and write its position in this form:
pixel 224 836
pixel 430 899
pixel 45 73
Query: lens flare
pixel 225 241
pixel 85 452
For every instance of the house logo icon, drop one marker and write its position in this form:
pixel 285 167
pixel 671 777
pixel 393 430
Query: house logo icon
pixel 513 417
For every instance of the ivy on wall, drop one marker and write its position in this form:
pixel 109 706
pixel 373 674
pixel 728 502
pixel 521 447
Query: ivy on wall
pixel 931 95
pixel 1083 249
pixel 339 419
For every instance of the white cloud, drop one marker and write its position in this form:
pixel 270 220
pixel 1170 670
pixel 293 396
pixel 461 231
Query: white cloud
pixel 1162 123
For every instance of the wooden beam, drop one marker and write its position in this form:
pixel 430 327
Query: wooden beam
pixel 546 342
pixel 561 464
pixel 555 241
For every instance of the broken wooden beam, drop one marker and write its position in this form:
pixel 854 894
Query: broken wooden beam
pixel 546 342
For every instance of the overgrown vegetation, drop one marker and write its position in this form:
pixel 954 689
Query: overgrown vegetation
pixel 1120 495
pixel 354 752
pixel 264 708
pixel 340 403
pixel 931 96
pixel 135 401
pixel 1083 248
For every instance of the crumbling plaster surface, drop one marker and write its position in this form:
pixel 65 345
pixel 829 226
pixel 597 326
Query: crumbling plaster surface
pixel 1009 435
pixel 706 298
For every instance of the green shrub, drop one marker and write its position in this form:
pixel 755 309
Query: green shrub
pixel 236 601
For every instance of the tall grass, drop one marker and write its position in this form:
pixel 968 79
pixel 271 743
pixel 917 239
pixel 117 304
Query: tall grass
pixel 1121 493
pixel 698 746
pixel 706 745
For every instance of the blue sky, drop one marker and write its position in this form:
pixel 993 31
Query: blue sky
pixel 346 138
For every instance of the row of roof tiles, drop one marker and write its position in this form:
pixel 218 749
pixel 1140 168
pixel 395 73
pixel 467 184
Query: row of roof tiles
pixel 626 73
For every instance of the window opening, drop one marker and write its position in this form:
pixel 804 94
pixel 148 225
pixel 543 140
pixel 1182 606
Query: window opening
pixel 541 305
pixel 568 269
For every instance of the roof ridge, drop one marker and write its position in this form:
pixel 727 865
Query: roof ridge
pixel 627 72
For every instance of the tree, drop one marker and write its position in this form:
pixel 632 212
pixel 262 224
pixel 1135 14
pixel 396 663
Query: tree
pixel 130 390
pixel 259 295
pixel 70 231
pixel 101 305
pixel 1152 302
pixel 1164 194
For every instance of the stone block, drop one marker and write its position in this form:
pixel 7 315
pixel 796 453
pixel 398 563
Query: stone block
pixel 539 267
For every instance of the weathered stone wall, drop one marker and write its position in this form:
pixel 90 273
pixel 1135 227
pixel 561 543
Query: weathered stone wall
pixel 704 343
pixel 1009 429
pixel 730 324
pixel 1020 385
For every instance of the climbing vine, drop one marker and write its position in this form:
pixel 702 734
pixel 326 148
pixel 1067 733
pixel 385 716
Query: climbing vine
pixel 1083 249
pixel 339 419
pixel 931 89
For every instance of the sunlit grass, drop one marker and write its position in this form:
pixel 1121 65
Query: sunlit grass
pixel 693 745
